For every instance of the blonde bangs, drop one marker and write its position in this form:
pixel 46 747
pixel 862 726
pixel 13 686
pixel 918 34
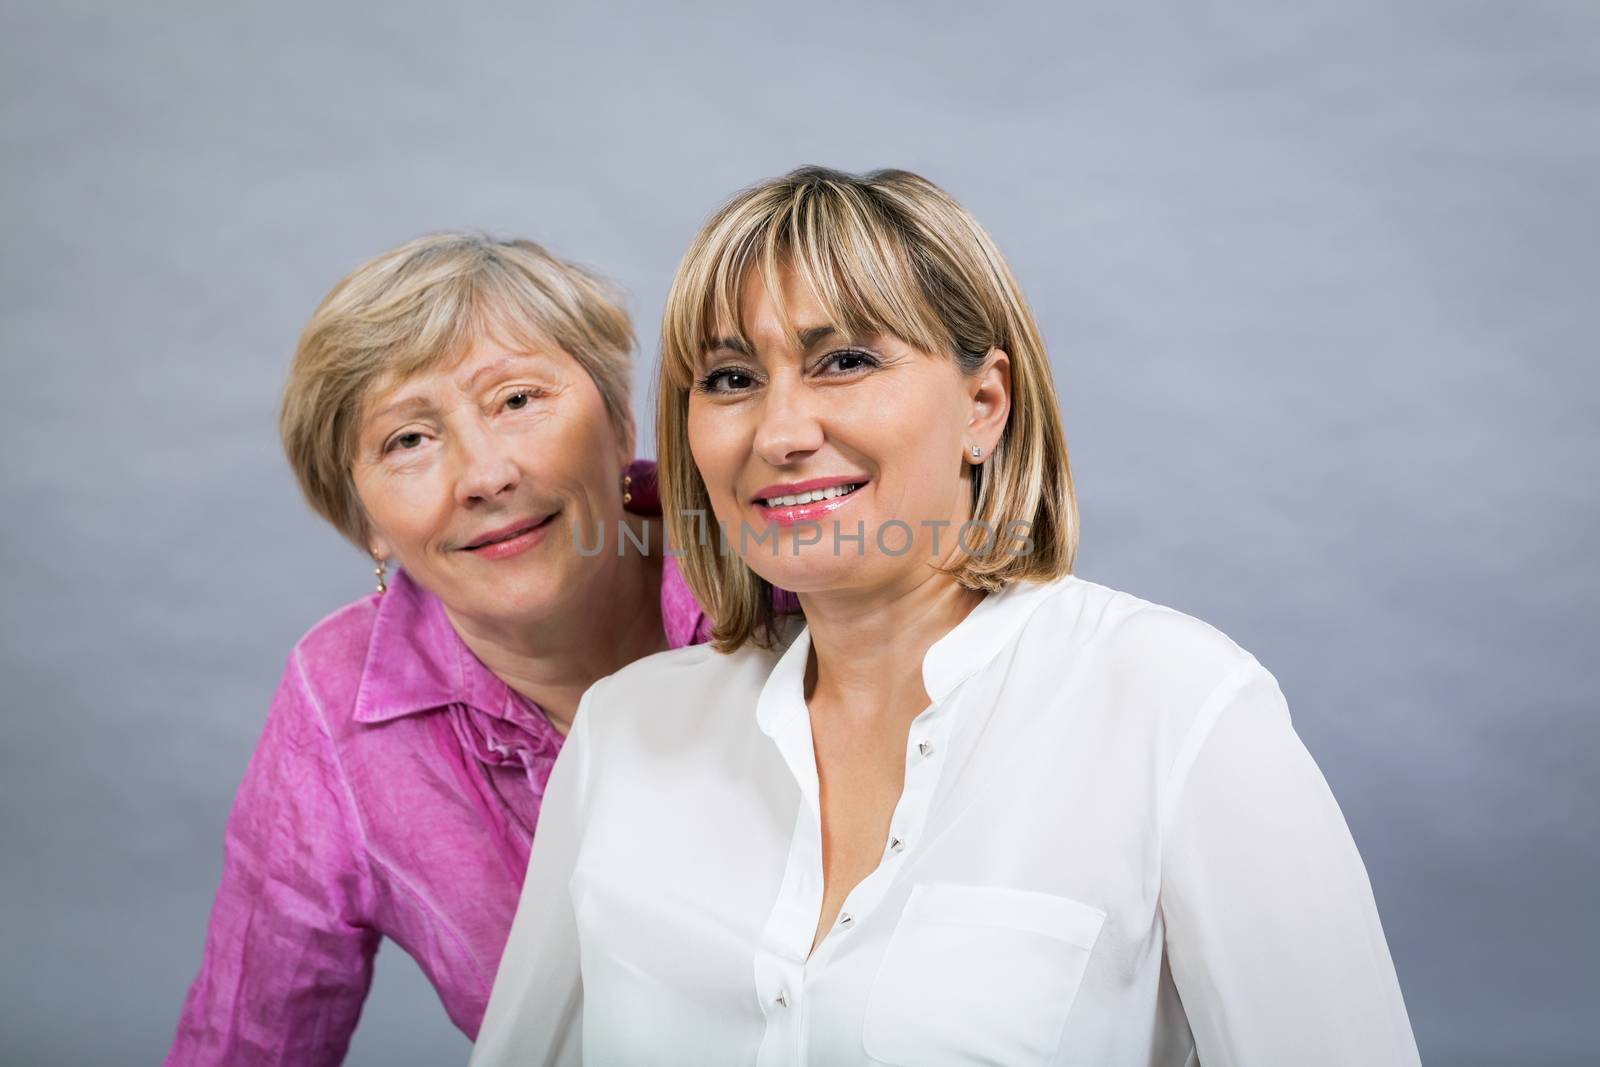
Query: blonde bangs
pixel 850 258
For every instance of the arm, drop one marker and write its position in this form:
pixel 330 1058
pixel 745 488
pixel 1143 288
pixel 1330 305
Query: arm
pixel 288 957
pixel 535 1012
pixel 1272 932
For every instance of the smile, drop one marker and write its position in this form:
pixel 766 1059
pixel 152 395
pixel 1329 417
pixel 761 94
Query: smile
pixel 811 497
pixel 803 502
pixel 509 540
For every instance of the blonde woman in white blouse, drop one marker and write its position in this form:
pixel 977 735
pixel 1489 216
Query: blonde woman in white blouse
pixel 964 807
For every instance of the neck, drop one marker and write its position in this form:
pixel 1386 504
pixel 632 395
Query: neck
pixel 599 629
pixel 867 647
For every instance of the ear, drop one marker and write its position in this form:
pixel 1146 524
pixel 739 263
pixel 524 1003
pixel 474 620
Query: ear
pixel 378 546
pixel 990 392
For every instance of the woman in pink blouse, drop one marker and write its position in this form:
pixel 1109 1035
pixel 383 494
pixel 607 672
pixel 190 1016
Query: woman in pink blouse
pixel 458 407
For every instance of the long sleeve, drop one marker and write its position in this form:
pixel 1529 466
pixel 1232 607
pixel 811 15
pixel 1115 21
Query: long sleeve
pixel 288 955
pixel 535 1013
pixel 1272 933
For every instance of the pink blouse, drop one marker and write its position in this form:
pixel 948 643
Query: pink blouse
pixel 394 793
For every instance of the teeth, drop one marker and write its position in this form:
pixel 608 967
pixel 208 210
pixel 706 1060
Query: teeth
pixel 812 497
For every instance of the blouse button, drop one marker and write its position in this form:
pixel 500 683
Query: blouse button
pixel 896 845
pixel 782 999
pixel 925 748
pixel 847 921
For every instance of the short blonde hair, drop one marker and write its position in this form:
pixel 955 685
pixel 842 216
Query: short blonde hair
pixel 886 252
pixel 420 306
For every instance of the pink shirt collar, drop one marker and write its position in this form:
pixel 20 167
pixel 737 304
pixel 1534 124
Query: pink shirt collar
pixel 417 662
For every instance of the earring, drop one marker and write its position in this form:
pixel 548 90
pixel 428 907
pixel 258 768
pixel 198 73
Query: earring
pixel 627 495
pixel 382 565
pixel 977 453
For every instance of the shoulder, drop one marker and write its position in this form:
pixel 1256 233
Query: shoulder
pixel 1161 659
pixel 1142 629
pixel 686 675
pixel 1082 614
pixel 672 690
pixel 325 666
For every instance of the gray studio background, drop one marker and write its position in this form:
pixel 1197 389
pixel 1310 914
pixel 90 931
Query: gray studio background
pixel 1318 279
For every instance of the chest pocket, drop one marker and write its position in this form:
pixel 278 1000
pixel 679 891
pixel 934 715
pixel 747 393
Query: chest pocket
pixel 978 975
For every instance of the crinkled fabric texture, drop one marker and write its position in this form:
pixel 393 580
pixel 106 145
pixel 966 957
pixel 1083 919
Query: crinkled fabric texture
pixel 394 793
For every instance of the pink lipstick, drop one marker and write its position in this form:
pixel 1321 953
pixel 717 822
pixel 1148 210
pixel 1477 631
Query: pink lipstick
pixel 508 541
pixel 810 501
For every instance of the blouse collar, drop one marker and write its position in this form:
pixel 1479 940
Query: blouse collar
pixel 973 643
pixel 417 662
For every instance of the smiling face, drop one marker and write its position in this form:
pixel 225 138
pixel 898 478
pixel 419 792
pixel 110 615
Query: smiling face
pixel 797 429
pixel 475 476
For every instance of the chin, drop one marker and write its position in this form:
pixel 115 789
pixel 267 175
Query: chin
pixel 531 598
pixel 820 573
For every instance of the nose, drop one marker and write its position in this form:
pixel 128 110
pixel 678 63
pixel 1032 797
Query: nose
pixel 789 429
pixel 487 469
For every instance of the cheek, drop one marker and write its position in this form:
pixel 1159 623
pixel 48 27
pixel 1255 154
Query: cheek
pixel 934 445
pixel 714 447
pixel 579 451
pixel 913 425
pixel 577 447
pixel 404 507
pixel 912 434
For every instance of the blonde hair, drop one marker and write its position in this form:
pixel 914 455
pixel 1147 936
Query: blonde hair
pixel 420 306
pixel 886 252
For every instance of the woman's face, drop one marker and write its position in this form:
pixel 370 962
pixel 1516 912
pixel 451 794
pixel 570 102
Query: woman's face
pixel 880 430
pixel 475 477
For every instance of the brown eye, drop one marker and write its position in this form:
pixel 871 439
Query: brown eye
pixel 849 360
pixel 517 401
pixel 406 440
pixel 726 380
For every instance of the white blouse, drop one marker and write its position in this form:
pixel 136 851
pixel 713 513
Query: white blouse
pixel 1111 849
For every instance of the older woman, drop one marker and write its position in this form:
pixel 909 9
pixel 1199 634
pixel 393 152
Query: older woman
pixel 978 810
pixel 458 407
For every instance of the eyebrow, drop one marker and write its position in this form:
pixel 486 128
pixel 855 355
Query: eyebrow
pixel 732 344
pixel 416 405
pixel 410 405
pixel 499 366
pixel 809 339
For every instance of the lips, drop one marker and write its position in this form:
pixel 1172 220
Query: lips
pixel 790 505
pixel 814 496
pixel 811 491
pixel 506 533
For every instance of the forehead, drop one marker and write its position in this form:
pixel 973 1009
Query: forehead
pixel 765 287
pixel 781 308
pixel 483 359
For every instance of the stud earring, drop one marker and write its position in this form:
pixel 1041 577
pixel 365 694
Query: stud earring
pixel 977 453
pixel 627 494
pixel 382 565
